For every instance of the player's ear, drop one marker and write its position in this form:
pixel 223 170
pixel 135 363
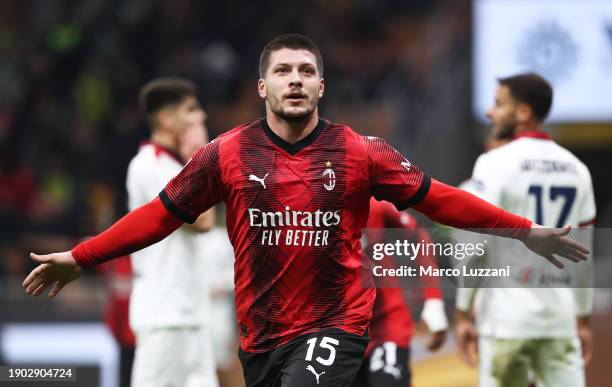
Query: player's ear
pixel 163 118
pixel 523 112
pixel 321 87
pixel 261 88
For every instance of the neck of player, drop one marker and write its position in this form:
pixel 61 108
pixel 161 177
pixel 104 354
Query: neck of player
pixel 529 126
pixel 165 139
pixel 289 130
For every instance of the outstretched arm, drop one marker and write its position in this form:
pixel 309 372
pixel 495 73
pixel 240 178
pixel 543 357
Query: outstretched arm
pixel 457 208
pixel 193 191
pixel 393 178
pixel 140 228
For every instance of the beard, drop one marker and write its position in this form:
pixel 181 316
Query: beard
pixel 505 131
pixel 291 116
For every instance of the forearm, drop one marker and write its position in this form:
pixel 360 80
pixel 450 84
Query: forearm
pixel 464 299
pixel 140 228
pixel 457 208
pixel 462 316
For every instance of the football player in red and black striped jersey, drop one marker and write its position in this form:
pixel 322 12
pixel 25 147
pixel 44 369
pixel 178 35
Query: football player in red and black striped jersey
pixel 297 191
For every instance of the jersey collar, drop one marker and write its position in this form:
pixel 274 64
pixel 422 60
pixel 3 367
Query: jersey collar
pixel 534 134
pixel 298 146
pixel 159 149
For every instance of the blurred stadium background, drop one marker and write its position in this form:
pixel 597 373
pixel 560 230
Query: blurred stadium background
pixel 419 73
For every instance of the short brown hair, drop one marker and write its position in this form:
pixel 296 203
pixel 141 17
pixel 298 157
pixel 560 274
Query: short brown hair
pixel 532 89
pixel 293 42
pixel 164 92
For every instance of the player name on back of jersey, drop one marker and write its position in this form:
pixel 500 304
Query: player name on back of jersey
pixel 294 228
pixel 547 166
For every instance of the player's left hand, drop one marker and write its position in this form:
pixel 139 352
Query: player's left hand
pixel 467 341
pixel 549 242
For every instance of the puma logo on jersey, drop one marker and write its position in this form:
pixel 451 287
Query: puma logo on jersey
pixel 262 180
pixel 406 164
pixel 311 369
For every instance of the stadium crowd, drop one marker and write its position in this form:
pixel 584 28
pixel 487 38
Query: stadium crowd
pixel 69 120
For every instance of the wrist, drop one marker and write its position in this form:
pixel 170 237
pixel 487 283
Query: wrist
pixel 525 229
pixel 463 316
pixel 81 257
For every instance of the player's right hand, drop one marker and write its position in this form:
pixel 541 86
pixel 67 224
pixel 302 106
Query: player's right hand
pixel 467 341
pixel 55 269
pixel 436 340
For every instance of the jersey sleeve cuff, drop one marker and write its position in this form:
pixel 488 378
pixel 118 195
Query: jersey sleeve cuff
pixel 81 256
pixel 587 223
pixel 418 195
pixel 173 209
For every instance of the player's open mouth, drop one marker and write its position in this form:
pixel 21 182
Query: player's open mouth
pixel 296 97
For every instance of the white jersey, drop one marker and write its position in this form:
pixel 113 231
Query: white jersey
pixel 165 286
pixel 544 182
pixel 217 263
pixel 217 259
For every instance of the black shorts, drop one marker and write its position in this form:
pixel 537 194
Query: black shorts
pixel 386 366
pixel 327 358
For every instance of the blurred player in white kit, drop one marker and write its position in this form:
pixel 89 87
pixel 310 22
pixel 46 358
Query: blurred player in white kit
pixel 524 333
pixel 173 344
pixel 217 257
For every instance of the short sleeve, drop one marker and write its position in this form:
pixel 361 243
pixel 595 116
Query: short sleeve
pixel 197 187
pixel 587 210
pixel 144 182
pixel 487 181
pixel 392 177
